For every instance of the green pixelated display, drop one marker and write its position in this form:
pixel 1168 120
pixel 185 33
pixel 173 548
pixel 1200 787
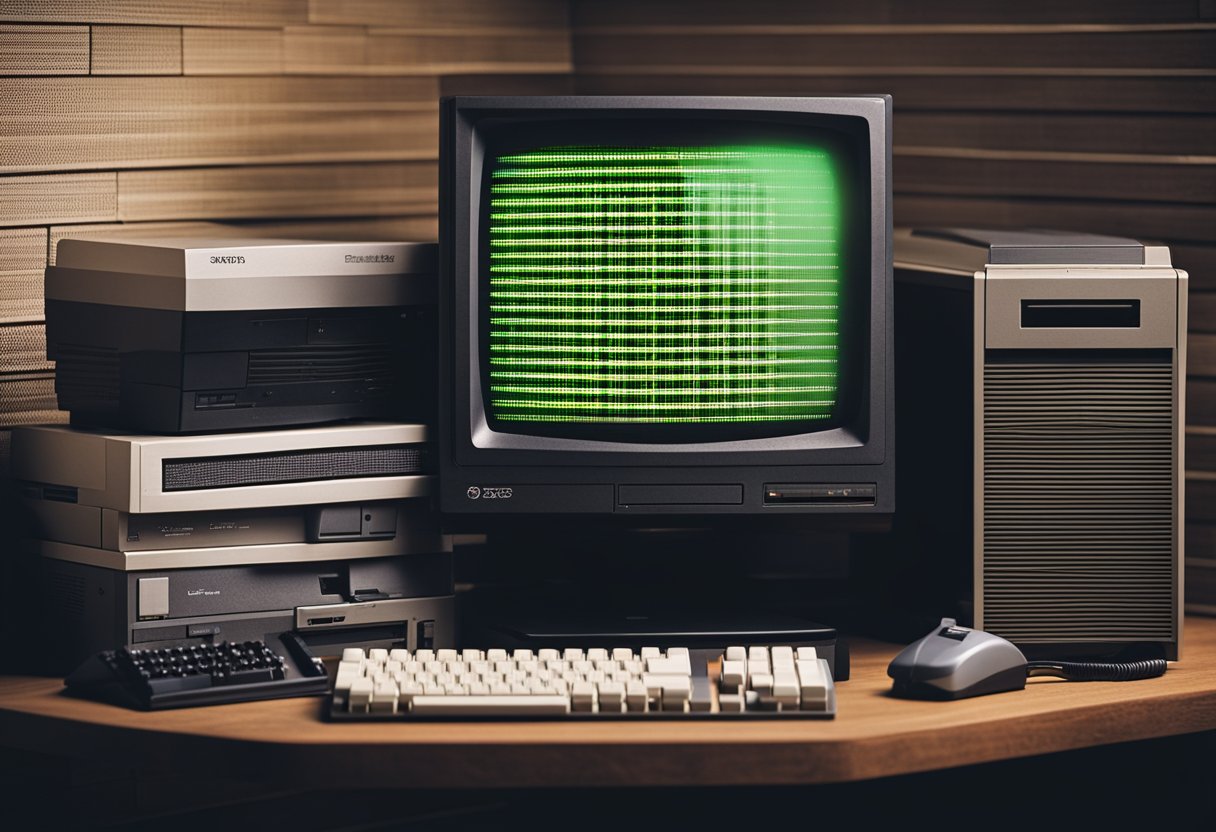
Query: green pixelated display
pixel 654 285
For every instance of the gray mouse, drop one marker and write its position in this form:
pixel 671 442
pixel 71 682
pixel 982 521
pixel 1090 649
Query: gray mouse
pixel 954 662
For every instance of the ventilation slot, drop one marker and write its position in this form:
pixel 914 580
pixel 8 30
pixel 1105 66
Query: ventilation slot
pixel 68 592
pixel 292 466
pixel 321 363
pixel 87 378
pixel 1079 502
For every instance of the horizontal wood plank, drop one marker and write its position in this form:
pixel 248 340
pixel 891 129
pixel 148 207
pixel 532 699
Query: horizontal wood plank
pixel 22 249
pixel 589 13
pixel 1015 53
pixel 1201 449
pixel 44 50
pixel 25 393
pixel 182 121
pixel 1201 354
pixel 1200 401
pixel 322 50
pixel 503 84
pixel 463 15
pixel 972 91
pixel 1142 134
pixel 137 50
pixel 409 229
pixel 145 12
pixel 403 52
pixel 20 296
pixel 208 51
pixel 1079 177
pixel 52 198
pixel 1201 543
pixel 1199 261
pixel 1142 220
pixel 1201 314
pixel 1201 499
pixel 24 348
pixel 386 189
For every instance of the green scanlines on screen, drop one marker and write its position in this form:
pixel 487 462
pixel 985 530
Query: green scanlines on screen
pixel 650 285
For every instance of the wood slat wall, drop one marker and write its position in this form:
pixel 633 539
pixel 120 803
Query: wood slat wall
pixel 319 118
pixel 1097 115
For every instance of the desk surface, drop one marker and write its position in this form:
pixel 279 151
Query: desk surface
pixel 873 735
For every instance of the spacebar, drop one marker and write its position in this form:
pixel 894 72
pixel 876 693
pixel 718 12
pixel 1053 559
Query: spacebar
pixel 439 705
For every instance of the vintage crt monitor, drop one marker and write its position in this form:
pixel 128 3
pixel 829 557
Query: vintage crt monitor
pixel 1041 418
pixel 665 309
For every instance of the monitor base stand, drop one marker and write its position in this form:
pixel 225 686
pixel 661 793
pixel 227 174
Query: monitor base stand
pixel 520 621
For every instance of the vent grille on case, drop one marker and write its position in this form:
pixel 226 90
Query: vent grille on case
pixel 292 466
pixel 321 363
pixel 68 590
pixel 1079 502
pixel 87 378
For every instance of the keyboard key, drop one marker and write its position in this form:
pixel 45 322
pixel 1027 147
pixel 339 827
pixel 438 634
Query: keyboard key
pixel 611 696
pixel 489 705
pixel 734 674
pixel 702 694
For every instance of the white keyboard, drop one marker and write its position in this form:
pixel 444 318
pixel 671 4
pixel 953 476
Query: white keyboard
pixel 595 683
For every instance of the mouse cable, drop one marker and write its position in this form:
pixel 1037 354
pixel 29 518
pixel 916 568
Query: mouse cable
pixel 1098 671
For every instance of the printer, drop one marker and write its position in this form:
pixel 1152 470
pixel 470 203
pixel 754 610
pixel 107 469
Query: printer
pixel 203 335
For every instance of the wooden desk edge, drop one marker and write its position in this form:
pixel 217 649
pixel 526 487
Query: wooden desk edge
pixel 873 736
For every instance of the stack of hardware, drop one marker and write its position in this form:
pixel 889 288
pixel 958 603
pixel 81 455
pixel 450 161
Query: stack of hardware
pixel 222 478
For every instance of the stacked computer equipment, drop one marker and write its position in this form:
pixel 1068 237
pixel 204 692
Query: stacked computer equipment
pixel 249 448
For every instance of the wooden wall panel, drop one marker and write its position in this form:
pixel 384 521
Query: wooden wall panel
pixel 20 296
pixel 457 15
pixel 385 189
pixel 233 13
pixel 767 13
pixel 44 50
pixel 1013 174
pixel 914 89
pixel 401 51
pixel 136 50
pixel 1203 315
pixel 324 50
pixel 22 249
pixel 232 51
pixel 114 123
pixel 944 51
pixel 65 197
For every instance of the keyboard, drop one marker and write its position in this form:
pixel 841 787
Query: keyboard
pixel 201 674
pixel 597 684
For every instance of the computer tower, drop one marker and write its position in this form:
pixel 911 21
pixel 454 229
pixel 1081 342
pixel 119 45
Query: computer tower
pixel 1039 389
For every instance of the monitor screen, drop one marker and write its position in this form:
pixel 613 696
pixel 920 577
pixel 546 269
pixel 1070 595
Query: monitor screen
pixel 664 290
pixel 677 291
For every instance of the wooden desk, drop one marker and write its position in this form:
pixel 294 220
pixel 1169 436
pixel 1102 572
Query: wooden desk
pixel 873 735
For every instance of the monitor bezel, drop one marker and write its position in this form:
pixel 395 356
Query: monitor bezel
pixel 473 442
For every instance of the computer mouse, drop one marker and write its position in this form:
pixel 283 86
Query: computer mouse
pixel 954 662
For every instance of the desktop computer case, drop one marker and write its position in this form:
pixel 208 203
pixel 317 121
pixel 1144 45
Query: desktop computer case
pixel 400 601
pixel 1040 388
